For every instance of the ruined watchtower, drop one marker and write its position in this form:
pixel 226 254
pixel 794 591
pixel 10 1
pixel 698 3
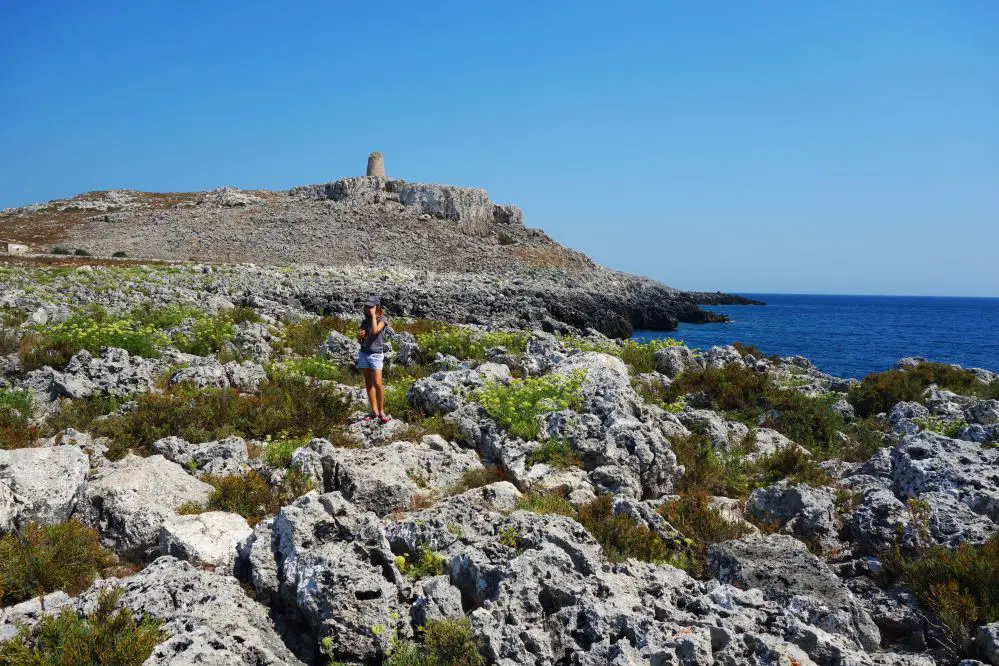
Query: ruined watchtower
pixel 376 165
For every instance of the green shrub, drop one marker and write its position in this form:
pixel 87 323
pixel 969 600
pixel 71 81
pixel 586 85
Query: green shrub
pixel 38 559
pixel 960 586
pixel 546 503
pixel 707 472
pixel 424 563
pixel 120 254
pixel 730 388
pixel 476 478
pixel 555 453
pixel 60 250
pixel 17 408
pixel 207 336
pixel 695 518
pixel 286 406
pixel 396 402
pixel 790 463
pixel 316 367
pixel 305 337
pixel 640 356
pixel 105 637
pixel 447 642
pixel 932 423
pixel 277 452
pixel 80 252
pixel 91 330
pixel 466 343
pixel 518 406
pixel 162 317
pixel 619 535
pixel 881 391
pixel 510 538
pixel 250 495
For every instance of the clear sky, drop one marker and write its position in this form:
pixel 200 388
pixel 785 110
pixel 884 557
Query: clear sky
pixel 829 147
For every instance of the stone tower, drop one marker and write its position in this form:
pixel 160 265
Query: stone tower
pixel 376 165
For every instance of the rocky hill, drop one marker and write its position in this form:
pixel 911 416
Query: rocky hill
pixel 186 444
pixel 423 239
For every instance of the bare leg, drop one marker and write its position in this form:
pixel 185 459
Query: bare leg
pixel 379 391
pixel 369 386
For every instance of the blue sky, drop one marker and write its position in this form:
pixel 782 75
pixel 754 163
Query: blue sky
pixel 828 147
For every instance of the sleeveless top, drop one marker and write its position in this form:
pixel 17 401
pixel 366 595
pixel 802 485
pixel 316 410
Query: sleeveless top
pixel 374 343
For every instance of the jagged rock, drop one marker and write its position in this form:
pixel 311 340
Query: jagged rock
pixel 951 522
pixel 543 354
pixel 903 416
pixel 467 205
pixel 114 372
pixel 436 599
pixel 28 613
pixel 407 350
pixel 253 340
pixel 445 391
pixel 878 521
pixel 129 501
pixel 767 442
pixel 391 477
pixel 229 197
pixel 786 572
pixel 209 373
pixel 41 485
pixel 224 457
pixel 926 462
pixel 375 433
pixel 334 573
pixel 987 642
pixel 671 361
pixel 340 349
pixel 803 511
pixel 722 433
pixel 205 539
pixel 983 412
pixel 719 357
pixel 208 617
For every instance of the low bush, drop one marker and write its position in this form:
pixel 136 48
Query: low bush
pixel 932 423
pixel 518 406
pixel 732 388
pixel 619 535
pixel 277 452
pixel 17 408
pixel 104 637
pixel 61 251
pixel 250 495
pixel 467 343
pixel 555 453
pixel 316 367
pixel 119 254
pixel 641 356
pixel 960 586
pixel 80 252
pixel 707 472
pixel 879 392
pixel 447 642
pixel 286 406
pixel 38 559
pixel 206 336
pixel 476 478
pixel 703 525
pixel 305 337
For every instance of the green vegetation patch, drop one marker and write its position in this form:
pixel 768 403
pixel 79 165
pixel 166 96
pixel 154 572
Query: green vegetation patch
pixel 104 637
pixel 554 453
pixel 38 559
pixel 518 405
pixel 250 495
pixel 703 525
pixel 960 586
pixel 619 535
pixel 467 343
pixel 879 392
pixel 286 406
pixel 17 408
pixel 423 563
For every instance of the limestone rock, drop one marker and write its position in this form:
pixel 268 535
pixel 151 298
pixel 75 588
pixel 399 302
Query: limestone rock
pixel 41 485
pixel 129 501
pixel 204 539
pixel 208 617
pixel 801 510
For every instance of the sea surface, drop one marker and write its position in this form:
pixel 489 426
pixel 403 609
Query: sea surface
pixel 852 336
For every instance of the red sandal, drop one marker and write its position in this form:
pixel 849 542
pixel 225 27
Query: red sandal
pixel 384 418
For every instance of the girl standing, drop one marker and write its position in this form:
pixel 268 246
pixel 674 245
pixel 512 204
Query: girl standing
pixel 372 356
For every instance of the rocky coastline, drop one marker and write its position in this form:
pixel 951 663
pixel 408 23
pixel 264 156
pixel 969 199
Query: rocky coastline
pixel 544 495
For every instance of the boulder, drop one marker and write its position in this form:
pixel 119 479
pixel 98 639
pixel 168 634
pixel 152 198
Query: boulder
pixel 723 434
pixel 671 361
pixel 878 521
pixel 987 642
pixel 208 617
pixel 209 373
pixel 803 511
pixel 392 477
pixel 224 457
pixel 340 349
pixel 41 485
pixel 787 573
pixel 205 539
pixel 129 500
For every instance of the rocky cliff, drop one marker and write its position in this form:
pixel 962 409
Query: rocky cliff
pixel 440 250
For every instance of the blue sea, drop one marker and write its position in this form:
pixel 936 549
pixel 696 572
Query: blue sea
pixel 852 336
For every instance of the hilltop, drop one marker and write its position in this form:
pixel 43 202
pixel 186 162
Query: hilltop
pixel 447 243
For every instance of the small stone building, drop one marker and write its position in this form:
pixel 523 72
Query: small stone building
pixel 13 248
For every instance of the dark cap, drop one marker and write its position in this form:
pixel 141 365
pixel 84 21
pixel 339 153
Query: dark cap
pixel 372 301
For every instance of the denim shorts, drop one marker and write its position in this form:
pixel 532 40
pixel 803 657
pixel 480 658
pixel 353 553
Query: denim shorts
pixel 374 360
